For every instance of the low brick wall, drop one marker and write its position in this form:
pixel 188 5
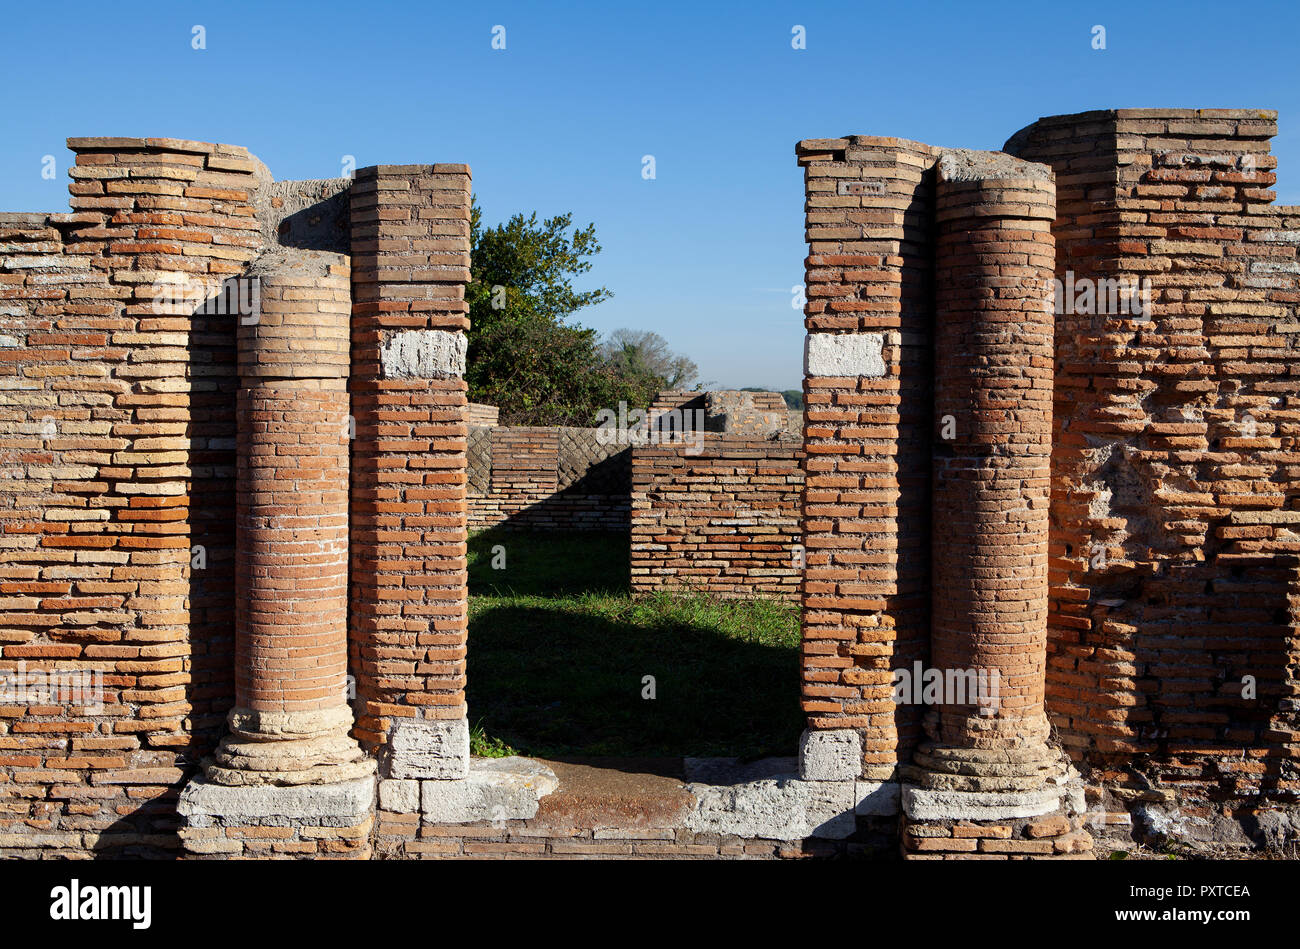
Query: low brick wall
pixel 546 478
pixel 722 518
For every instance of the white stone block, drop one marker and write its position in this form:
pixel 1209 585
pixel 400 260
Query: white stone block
pixel 833 755
pixel 343 803
pixel 844 354
pixel 782 808
pixel 495 789
pixel 877 798
pixel 926 804
pixel 423 354
pixel 400 796
pixel 424 748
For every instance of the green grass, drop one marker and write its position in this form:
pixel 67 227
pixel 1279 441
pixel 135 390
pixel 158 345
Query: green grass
pixel 558 650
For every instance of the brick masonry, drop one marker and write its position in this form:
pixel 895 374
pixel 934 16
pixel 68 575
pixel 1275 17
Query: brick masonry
pixel 577 479
pixel 722 518
pixel 409 607
pixel 1174 491
pixel 1165 659
pixel 117 509
pixel 552 478
pixel 866 503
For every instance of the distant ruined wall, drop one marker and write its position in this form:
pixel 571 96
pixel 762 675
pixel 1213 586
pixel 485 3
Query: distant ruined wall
pixel 551 478
pixel 479 414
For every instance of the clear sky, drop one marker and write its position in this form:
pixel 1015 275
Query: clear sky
pixel 707 252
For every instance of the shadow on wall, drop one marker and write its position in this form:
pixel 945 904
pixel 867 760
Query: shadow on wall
pixel 538 478
pixel 559 655
pixel 211 459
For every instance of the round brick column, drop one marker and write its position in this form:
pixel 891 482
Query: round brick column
pixel 992 450
pixel 291 719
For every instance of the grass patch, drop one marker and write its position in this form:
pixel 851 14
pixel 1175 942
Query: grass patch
pixel 481 745
pixel 558 652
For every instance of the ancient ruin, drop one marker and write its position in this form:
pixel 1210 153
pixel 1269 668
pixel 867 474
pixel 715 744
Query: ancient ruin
pixel 1039 512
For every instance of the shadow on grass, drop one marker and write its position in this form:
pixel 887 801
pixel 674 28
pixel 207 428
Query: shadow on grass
pixel 548 564
pixel 565 677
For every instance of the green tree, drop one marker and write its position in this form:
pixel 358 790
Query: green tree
pixel 523 356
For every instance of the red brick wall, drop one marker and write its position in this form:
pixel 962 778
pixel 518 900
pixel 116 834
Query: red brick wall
pixel 724 520
pixel 1174 469
pixel 546 478
pixel 119 440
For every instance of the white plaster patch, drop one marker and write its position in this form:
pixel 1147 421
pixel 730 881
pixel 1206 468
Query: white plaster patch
pixel 843 354
pixel 423 354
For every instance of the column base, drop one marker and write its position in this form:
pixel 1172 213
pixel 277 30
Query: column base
pixel 985 804
pixel 288 749
pixel 312 821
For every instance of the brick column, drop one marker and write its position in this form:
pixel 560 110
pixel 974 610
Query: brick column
pixel 409 621
pixel 993 410
pixel 867 404
pixel 289 780
pixel 988 781
pixel 291 719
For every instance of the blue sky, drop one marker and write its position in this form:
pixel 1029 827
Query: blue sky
pixel 707 252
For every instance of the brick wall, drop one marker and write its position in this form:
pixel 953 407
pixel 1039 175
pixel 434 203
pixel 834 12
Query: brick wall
pixel 1174 492
pixel 563 478
pixel 723 519
pixel 476 413
pixel 118 409
pixel 1173 546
